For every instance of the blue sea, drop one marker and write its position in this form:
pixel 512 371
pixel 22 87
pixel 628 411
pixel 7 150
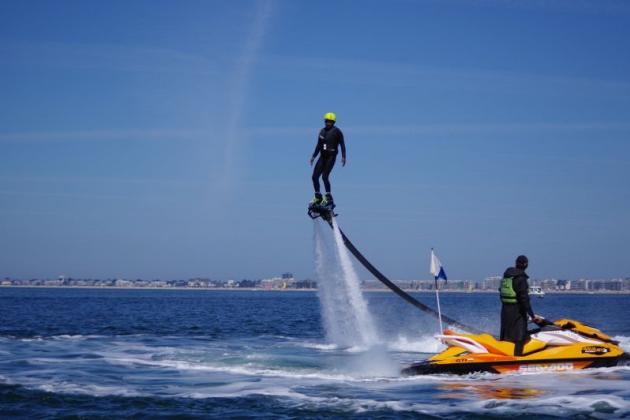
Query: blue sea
pixel 193 353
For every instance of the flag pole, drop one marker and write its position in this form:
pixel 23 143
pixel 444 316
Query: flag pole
pixel 437 296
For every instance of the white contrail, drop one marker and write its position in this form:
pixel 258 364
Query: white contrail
pixel 239 85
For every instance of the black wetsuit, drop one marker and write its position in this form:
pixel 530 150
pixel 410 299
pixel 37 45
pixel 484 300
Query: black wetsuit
pixel 514 315
pixel 329 142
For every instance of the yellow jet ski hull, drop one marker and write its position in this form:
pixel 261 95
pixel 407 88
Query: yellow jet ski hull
pixel 565 345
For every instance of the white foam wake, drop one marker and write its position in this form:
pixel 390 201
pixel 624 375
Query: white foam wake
pixel 424 344
pixel 624 342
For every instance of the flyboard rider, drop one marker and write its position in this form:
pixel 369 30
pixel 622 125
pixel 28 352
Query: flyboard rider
pixel 329 141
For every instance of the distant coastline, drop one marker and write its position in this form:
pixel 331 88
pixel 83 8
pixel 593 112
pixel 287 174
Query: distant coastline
pixel 291 290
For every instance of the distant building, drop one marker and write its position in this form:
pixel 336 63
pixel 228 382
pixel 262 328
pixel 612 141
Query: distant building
pixel 305 284
pixel 492 283
pixel 278 282
pixel 122 283
pixel 250 284
pixel 287 281
pixel 563 284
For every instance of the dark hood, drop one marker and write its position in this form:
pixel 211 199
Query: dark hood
pixel 515 272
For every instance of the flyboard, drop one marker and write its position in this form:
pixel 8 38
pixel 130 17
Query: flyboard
pixel 327 213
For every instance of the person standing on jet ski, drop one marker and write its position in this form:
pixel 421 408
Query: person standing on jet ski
pixel 515 306
pixel 328 143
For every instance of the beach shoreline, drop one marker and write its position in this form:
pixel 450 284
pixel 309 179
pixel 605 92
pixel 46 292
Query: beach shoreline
pixel 256 289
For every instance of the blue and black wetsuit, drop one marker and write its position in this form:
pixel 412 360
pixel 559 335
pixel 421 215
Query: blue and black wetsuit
pixel 329 142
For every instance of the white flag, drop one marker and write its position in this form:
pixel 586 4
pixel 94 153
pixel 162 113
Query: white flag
pixel 436 267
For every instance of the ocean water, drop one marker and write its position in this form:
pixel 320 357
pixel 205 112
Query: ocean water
pixel 154 353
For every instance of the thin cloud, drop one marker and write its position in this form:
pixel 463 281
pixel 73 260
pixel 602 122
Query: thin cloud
pixel 67 195
pixel 594 7
pixel 107 57
pixel 403 74
pixel 450 128
pixel 238 87
pixel 103 135
pixel 290 131
pixel 93 180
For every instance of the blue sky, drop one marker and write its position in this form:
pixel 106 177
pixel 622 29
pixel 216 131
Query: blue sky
pixel 162 139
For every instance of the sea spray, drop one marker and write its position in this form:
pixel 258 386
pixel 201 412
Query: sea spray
pixel 364 320
pixel 346 318
pixel 347 322
pixel 334 309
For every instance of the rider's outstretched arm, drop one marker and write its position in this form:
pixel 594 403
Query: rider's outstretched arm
pixel 342 144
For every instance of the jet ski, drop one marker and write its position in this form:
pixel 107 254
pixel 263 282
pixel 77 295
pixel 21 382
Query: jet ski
pixel 561 345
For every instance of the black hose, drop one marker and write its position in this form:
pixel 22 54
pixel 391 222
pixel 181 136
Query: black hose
pixel 391 285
